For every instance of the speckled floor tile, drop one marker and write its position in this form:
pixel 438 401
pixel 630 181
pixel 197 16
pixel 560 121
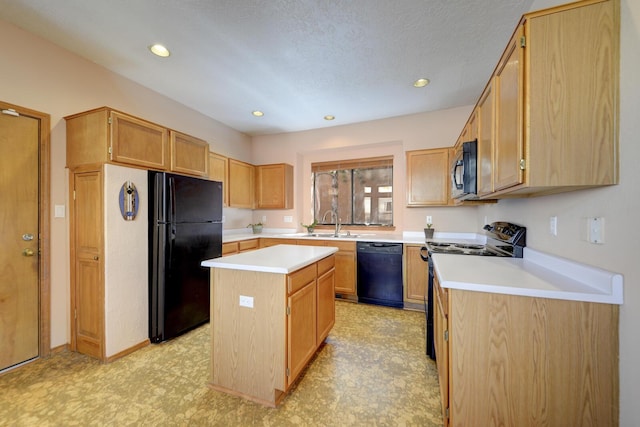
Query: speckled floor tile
pixel 372 371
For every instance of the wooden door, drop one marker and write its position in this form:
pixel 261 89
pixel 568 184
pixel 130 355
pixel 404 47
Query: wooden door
pixel 509 150
pixel 417 274
pixel 87 293
pixel 19 234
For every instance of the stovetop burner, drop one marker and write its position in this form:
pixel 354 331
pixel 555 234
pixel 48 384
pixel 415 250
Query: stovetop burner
pixel 503 239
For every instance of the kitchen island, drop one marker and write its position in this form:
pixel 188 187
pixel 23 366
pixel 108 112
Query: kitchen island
pixel 271 310
pixel 531 341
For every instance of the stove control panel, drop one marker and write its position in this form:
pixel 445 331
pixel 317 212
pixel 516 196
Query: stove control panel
pixel 507 232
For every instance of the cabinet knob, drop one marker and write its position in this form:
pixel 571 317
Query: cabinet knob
pixel 96 257
pixel 28 252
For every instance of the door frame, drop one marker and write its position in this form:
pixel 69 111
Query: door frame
pixel 44 278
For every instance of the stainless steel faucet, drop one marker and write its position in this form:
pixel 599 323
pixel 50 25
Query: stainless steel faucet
pixel 334 217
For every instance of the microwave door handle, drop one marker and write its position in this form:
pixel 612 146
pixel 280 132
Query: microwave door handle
pixel 459 186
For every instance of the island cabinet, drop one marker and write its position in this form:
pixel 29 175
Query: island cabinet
pixel 555 101
pixel 428 177
pixel 516 360
pixel 274 186
pixel 268 323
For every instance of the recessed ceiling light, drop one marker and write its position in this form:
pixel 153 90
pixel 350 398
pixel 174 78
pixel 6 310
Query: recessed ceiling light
pixel 158 49
pixel 421 82
pixel 257 113
pixel 329 117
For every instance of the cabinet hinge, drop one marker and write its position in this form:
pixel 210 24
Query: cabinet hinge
pixel 75 314
pixel 446 335
pixel 523 41
pixel 74 194
pixel 109 120
pixel 288 311
pixel 522 164
pixel 446 413
pixel 288 372
pixel 110 150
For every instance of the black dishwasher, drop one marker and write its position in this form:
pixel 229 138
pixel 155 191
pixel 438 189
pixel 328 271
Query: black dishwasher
pixel 380 273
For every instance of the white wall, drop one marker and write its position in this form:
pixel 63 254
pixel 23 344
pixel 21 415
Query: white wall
pixel 126 263
pixel 44 77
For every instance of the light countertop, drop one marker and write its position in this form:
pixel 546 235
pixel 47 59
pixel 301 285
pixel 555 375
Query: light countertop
pixel 283 259
pixel 535 275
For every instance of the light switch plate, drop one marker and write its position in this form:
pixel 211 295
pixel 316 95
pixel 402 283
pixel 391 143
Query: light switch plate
pixel 59 211
pixel 246 301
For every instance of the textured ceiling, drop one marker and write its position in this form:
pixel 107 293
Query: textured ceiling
pixel 296 60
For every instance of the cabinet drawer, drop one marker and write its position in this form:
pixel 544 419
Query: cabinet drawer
pixel 247 245
pixel 343 246
pixel 326 264
pixel 229 248
pixel 298 279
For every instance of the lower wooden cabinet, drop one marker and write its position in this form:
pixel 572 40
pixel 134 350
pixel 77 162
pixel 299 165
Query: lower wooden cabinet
pixel 514 361
pixel 415 275
pixel 230 248
pixel 326 295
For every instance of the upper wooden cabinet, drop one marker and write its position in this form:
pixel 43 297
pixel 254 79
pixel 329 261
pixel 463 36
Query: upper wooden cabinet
pixel 428 177
pixel 219 171
pixel 105 135
pixel 274 186
pixel 241 184
pixel 189 155
pixel 550 110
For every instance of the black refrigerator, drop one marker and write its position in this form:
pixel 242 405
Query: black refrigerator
pixel 185 228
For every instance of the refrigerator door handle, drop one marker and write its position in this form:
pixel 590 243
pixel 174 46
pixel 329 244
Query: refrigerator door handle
pixel 172 200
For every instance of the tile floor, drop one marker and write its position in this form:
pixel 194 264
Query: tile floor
pixel 372 371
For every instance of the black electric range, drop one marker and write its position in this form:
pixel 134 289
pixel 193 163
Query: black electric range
pixel 503 239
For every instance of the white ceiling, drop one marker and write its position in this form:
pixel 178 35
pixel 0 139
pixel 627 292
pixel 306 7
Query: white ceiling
pixel 296 60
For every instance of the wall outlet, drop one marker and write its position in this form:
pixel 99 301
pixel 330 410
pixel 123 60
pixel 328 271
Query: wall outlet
pixel 429 219
pixel 264 219
pixel 246 301
pixel 288 218
pixel 596 230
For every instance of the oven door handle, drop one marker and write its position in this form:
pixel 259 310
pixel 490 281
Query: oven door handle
pixel 424 254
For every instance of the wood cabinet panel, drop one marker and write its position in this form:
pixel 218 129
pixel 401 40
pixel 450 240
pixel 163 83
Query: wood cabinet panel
pixel 301 328
pixel 265 242
pixel 326 299
pixel 87 281
pixel 274 186
pixel 300 278
pixel 138 142
pixel 219 171
pixel 241 184
pixel 441 345
pixel 508 146
pixel 248 245
pixel 189 155
pixel 428 177
pixel 486 120
pixel 416 274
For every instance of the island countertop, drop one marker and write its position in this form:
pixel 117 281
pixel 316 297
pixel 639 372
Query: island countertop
pixel 282 259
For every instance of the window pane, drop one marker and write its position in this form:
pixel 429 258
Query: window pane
pixel 376 207
pixel 333 194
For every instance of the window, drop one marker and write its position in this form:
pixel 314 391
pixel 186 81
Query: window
pixel 354 192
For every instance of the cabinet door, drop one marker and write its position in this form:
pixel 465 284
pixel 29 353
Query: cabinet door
pixel 219 171
pixel 87 290
pixel 441 345
pixel 417 274
pixel 241 182
pixel 138 142
pixel 301 329
pixel 485 114
pixel 509 113
pixel 274 186
pixel 428 177
pixel 230 248
pixel 326 301
pixel 189 155
pixel 345 268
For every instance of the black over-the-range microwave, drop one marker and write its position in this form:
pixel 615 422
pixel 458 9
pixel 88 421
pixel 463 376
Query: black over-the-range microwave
pixel 464 172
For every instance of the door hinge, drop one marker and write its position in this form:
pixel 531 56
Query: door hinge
pixel 75 314
pixel 288 311
pixel 288 372
pixel 446 335
pixel 446 413
pixel 523 41
pixel 523 164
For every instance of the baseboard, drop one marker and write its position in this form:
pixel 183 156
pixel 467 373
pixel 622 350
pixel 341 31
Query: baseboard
pixel 127 351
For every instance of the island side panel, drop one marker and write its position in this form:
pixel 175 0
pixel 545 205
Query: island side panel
pixel 248 344
pixel 520 360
